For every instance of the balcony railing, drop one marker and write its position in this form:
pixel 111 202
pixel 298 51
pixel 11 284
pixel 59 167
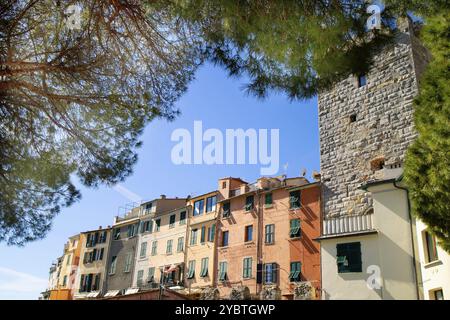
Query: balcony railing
pixel 348 224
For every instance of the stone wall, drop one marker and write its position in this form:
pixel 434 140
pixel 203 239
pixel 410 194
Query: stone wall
pixel 362 127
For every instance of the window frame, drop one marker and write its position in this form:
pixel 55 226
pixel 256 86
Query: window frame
pixel 248 233
pixel 249 203
pixel 247 263
pixel 223 270
pixel 201 207
pixel 169 246
pixel 270 234
pixel 295 272
pixel 226 209
pixel 143 250
pixel 211 203
pixel 295 201
pixel 222 242
pixel 349 257
pixel 204 267
pixel 172 223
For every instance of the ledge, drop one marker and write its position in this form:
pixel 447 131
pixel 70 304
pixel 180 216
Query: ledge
pixel 345 235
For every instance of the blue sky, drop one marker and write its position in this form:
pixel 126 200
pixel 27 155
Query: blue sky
pixel 219 102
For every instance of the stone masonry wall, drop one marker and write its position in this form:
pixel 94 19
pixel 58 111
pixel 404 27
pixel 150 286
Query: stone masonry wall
pixel 383 127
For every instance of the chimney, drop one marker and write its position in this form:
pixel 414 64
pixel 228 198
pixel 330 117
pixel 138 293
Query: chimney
pixel 100 227
pixel 163 196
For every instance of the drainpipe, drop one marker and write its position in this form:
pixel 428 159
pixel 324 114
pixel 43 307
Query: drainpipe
pixel 416 272
pixel 259 258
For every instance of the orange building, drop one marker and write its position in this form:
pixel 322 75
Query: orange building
pixel 266 232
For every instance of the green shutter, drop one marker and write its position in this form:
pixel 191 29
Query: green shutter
pixel 204 270
pixel 294 228
pixel 268 199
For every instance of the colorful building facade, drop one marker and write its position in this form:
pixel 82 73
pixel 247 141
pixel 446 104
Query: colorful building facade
pixel 161 243
pixel 266 238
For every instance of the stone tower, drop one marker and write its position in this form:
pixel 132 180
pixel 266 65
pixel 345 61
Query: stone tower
pixel 366 124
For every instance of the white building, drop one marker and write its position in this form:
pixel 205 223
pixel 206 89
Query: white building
pixel 371 256
pixel 434 265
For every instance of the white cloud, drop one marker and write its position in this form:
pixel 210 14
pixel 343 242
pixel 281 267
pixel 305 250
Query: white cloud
pixel 127 193
pixel 20 285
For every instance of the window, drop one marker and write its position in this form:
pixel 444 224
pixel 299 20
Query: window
pixel 146 226
pixel 183 217
pixel 117 234
pixel 248 233
pixel 270 273
pixel 211 204
pixel 437 295
pixel 203 235
pixel 143 250
pixel 296 270
pixel 270 234
pixel 194 237
pixel 151 274
pixel 362 80
pixel 431 249
pixel 68 259
pixel 103 237
pixel 224 238
pixel 96 283
pixel 148 208
pixel 377 164
pixel 140 277
pixel 157 225
pixel 191 269
pixel 226 212
pixel 223 266
pixel 169 246
pixel 198 207
pixel 172 221
pixel 154 248
pixel 204 270
pixel 97 255
pixel 268 199
pixel 64 281
pixel 294 199
pixel 349 257
pixel 128 262
pixel 249 203
pixel 211 233
pixel 295 230
pixel 112 268
pixel 131 230
pixel 247 268
pixel 180 244
pixel 224 184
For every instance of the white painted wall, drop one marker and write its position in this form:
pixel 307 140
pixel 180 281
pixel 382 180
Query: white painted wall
pixel 435 275
pixel 391 249
pixel 339 286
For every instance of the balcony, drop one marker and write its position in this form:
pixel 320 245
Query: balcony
pixel 348 225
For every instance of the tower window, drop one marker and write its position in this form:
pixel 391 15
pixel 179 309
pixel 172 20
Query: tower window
pixel 362 80
pixel 377 164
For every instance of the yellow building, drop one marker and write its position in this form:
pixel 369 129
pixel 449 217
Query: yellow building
pixel 94 245
pixel 200 249
pixel 68 270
